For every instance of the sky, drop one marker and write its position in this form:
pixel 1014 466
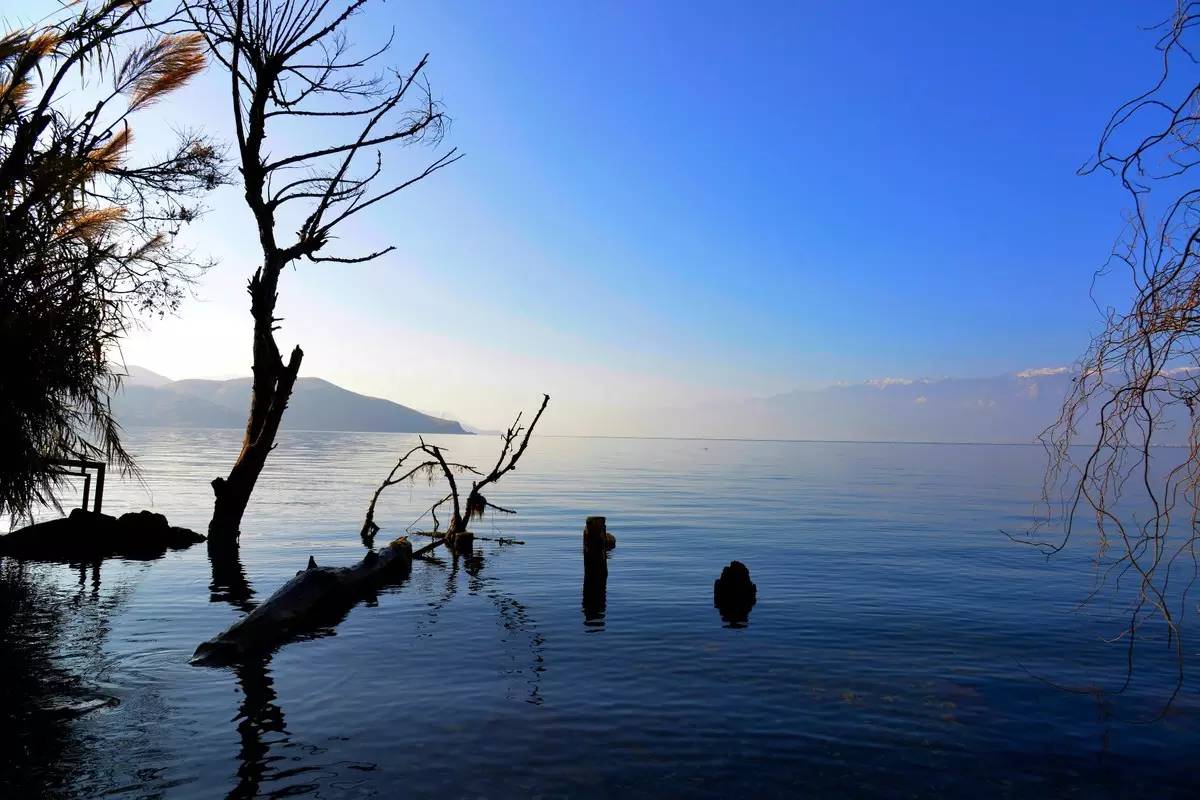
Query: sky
pixel 673 204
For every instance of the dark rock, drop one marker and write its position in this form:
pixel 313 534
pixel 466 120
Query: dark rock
pixel 82 517
pixel 143 523
pixel 178 538
pixel 733 593
pixel 141 534
pixel 89 536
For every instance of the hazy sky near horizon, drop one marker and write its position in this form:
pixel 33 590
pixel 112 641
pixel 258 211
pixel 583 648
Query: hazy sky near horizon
pixel 667 204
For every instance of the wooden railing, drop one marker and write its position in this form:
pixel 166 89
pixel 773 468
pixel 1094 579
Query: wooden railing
pixel 81 468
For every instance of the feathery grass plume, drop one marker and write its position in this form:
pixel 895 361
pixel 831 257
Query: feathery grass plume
pixel 14 94
pixel 20 52
pixel 42 44
pixel 12 44
pixel 109 156
pixel 145 249
pixel 94 224
pixel 161 68
pixel 87 232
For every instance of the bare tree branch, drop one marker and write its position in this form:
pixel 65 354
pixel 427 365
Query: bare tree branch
pixel 476 504
pixel 1137 386
pixel 290 62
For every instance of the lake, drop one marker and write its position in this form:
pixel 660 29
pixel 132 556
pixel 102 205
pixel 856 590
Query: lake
pixel 901 646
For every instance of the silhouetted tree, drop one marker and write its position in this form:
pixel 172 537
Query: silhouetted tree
pixel 87 229
pixel 290 65
pixel 1141 374
pixel 431 459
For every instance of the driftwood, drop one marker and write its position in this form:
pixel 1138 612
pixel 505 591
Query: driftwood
pixel 314 594
pixel 90 535
pixel 514 442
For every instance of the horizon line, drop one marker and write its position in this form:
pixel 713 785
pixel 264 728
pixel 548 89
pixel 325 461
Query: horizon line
pixel 646 438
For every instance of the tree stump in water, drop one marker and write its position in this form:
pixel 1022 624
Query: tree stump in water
pixel 595 546
pixel 734 594
pixel 461 541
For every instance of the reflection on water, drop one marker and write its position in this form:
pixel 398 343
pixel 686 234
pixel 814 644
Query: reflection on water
pixel 258 717
pixel 53 628
pixel 229 583
pixel 260 720
pixel 34 739
pixel 892 652
pixel 95 576
pixel 595 596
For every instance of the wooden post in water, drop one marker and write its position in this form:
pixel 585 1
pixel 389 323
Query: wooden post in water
pixel 595 564
pixel 595 570
pixel 99 487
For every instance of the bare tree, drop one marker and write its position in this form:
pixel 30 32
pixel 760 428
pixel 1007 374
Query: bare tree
pixel 1139 382
pixel 291 68
pixel 514 442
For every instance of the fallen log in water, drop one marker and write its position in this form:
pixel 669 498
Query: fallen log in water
pixel 302 602
pixel 90 535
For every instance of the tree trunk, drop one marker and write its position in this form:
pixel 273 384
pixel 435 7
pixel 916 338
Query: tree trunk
pixel 315 595
pixel 271 390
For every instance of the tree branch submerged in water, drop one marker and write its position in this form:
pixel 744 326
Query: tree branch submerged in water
pixel 514 442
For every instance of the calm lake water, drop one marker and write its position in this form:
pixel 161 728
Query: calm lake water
pixel 901 646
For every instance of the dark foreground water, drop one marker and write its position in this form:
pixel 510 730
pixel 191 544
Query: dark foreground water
pixel 901 645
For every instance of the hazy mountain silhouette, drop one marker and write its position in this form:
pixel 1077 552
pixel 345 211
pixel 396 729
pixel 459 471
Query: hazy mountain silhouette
pixel 1013 408
pixel 140 376
pixel 152 400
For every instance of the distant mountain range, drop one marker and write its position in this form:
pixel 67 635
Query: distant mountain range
pixel 1012 408
pixel 1007 409
pixel 152 400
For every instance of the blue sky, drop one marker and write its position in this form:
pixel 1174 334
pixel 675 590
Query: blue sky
pixel 668 204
